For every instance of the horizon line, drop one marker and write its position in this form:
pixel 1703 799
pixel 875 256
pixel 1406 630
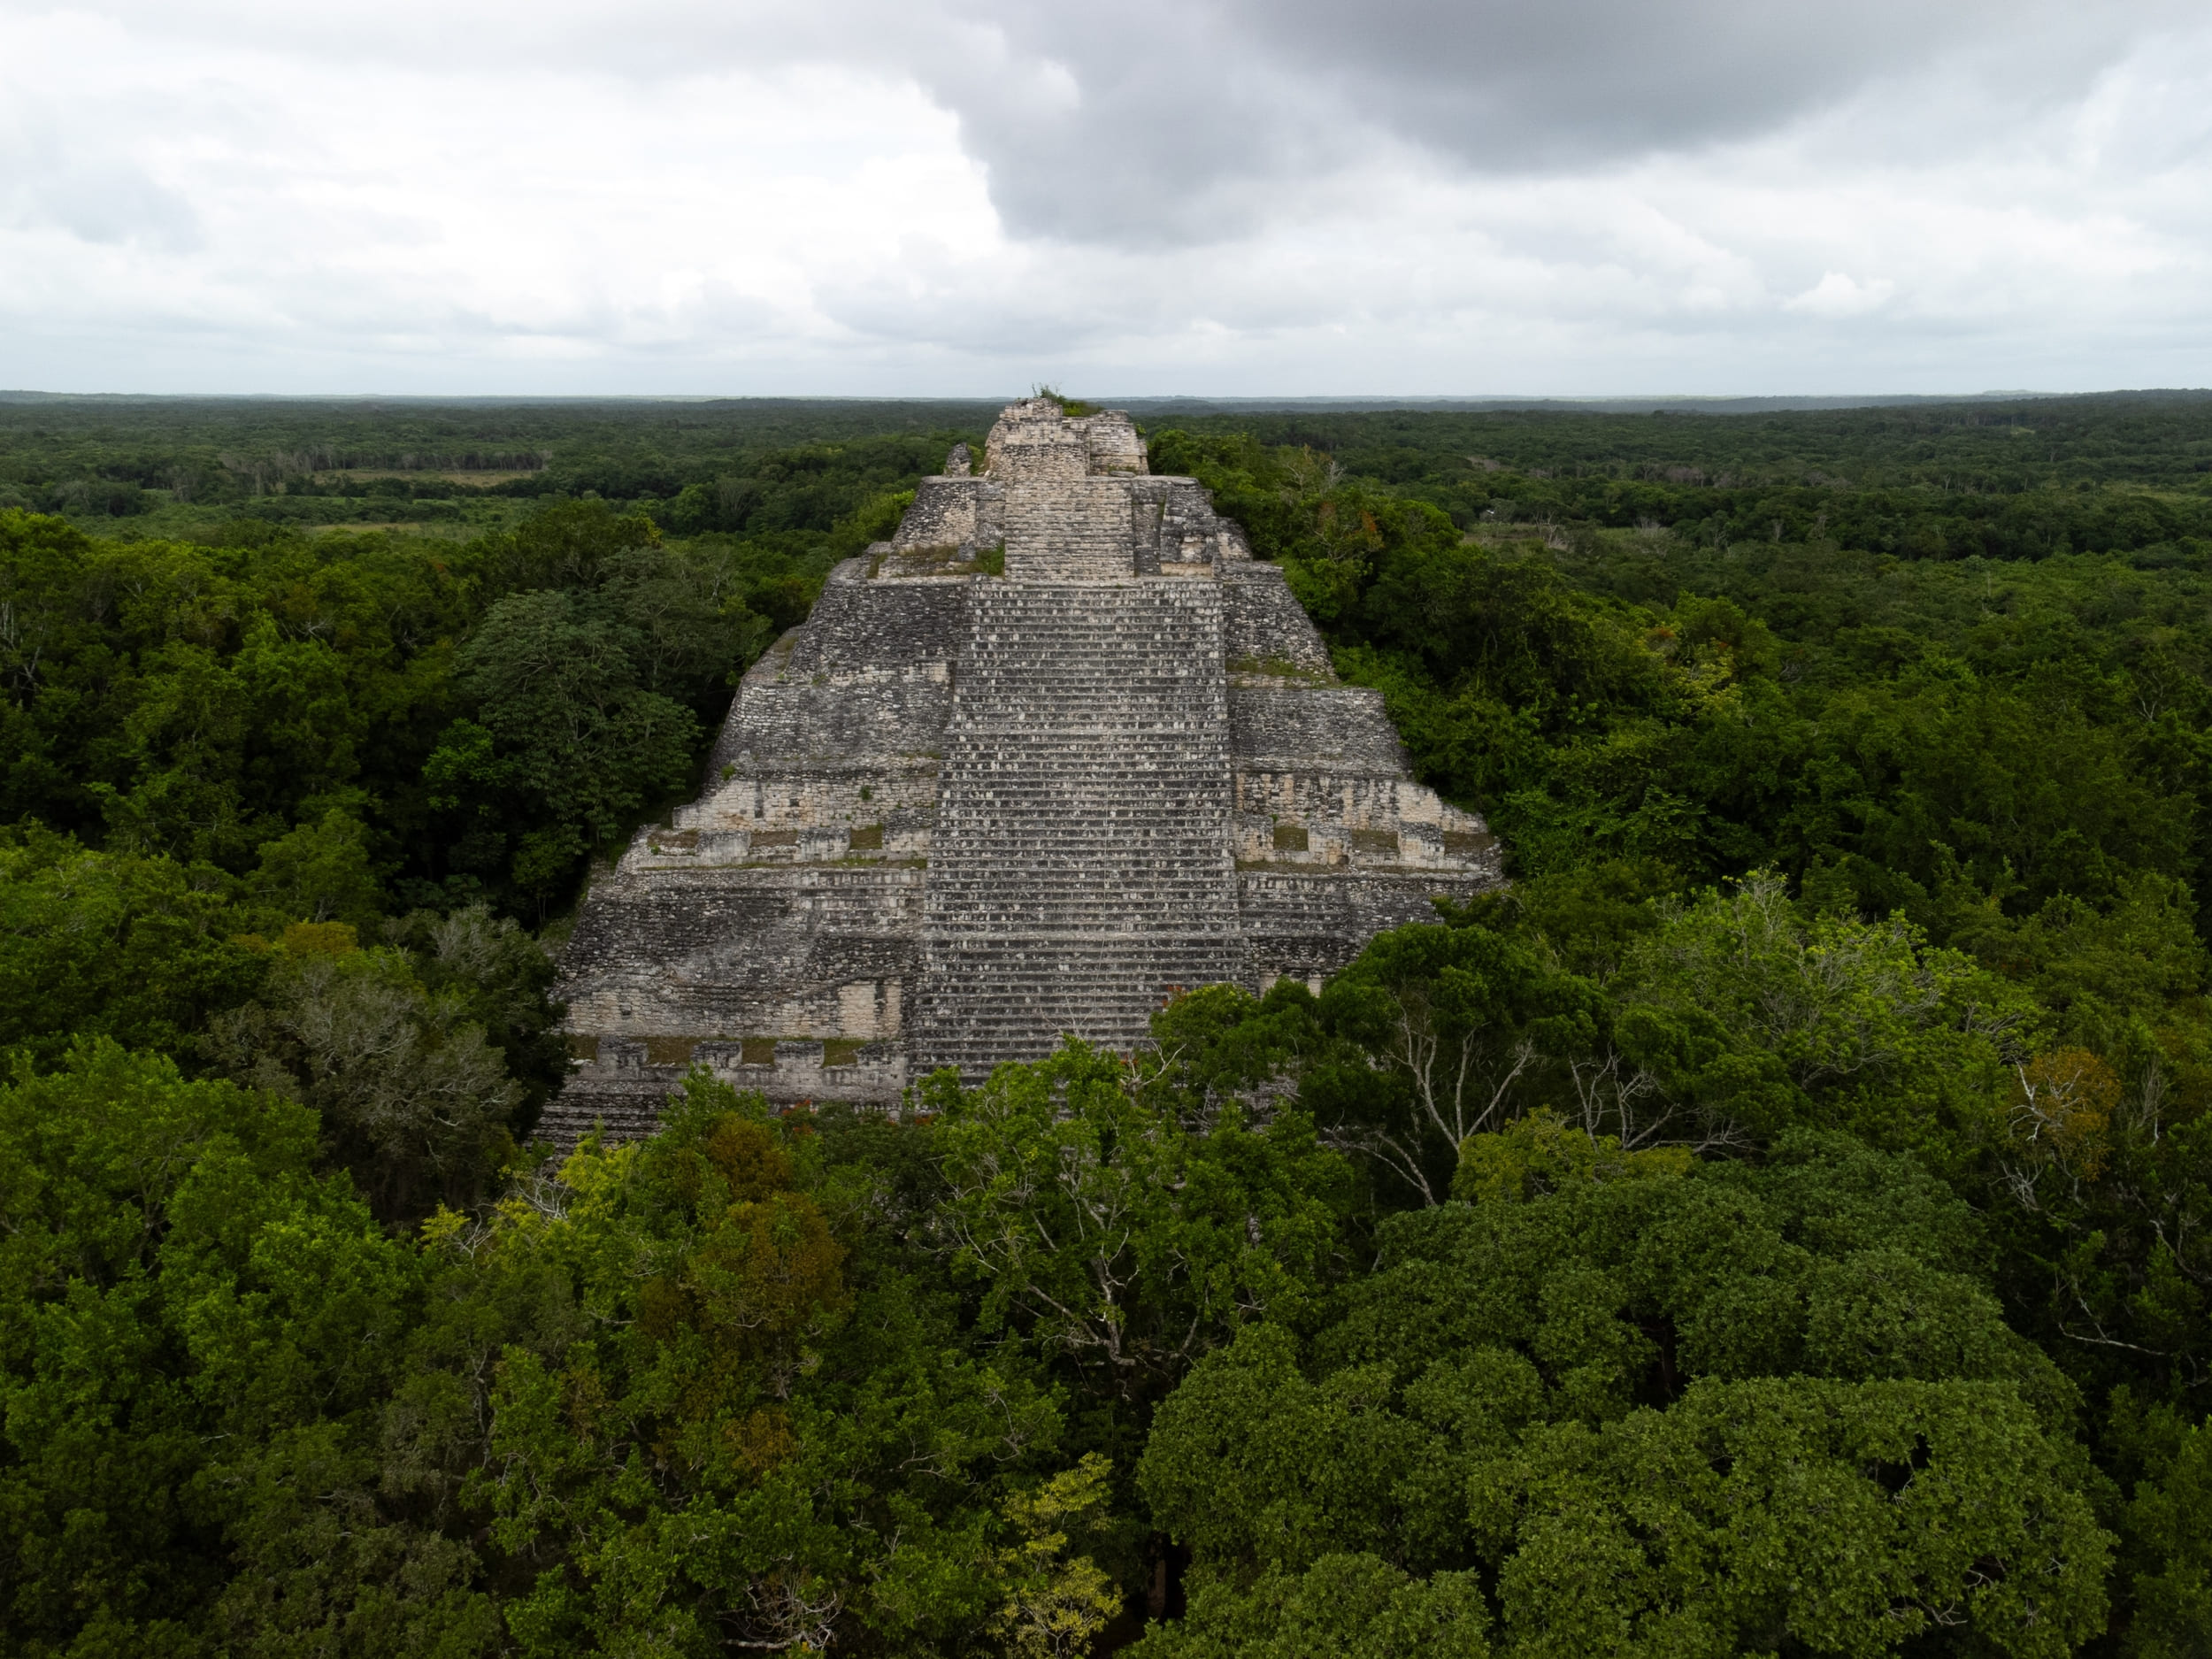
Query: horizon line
pixel 36 395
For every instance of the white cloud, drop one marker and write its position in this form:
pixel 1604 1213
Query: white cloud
pixel 575 196
pixel 1838 296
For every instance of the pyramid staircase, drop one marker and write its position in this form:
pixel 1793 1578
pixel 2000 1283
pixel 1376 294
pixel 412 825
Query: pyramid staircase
pixel 1068 529
pixel 1080 868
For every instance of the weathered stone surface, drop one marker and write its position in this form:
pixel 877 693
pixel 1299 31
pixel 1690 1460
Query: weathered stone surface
pixel 1081 860
pixel 955 815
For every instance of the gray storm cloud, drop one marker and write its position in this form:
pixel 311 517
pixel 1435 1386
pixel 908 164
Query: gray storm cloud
pixel 1164 121
pixel 1155 122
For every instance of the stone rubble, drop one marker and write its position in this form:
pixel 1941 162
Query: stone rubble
pixel 956 814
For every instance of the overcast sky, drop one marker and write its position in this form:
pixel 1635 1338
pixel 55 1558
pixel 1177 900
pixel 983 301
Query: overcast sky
pixel 1251 198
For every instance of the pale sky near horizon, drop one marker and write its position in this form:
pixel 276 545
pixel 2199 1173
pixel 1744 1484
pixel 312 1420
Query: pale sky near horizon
pixel 1224 197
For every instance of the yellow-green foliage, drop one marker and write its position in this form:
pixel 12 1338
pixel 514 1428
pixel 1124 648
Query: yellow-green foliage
pixel 1543 1153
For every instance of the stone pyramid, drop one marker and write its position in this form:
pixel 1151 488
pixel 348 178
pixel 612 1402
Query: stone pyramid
pixel 957 814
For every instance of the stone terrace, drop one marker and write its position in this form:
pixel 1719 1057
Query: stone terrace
pixel 955 815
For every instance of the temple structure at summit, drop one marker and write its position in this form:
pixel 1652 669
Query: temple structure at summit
pixel 972 805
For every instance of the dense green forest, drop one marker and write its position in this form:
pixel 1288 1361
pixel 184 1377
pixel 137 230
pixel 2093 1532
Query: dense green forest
pixel 1776 1225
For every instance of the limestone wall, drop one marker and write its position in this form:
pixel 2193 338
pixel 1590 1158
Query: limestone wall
pixel 958 514
pixel 1268 631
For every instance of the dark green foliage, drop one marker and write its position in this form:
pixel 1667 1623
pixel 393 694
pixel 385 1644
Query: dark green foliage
pixel 1357 1605
pixel 1109 1228
pixel 1774 1226
pixel 1927 735
pixel 682 1394
pixel 2002 480
pixel 1655 1403
pixel 563 731
pixel 351 719
pixel 756 466
pixel 584 686
pixel 1951 693
pixel 136 946
pixel 2166 1528
pixel 319 872
pixel 195 1324
pixel 414 1098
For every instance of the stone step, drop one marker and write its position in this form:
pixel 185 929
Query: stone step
pixel 1075 814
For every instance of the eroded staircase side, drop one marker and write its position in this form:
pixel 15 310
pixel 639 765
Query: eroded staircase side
pixel 1081 868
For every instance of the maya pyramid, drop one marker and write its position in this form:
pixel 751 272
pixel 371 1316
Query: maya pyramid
pixel 957 814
